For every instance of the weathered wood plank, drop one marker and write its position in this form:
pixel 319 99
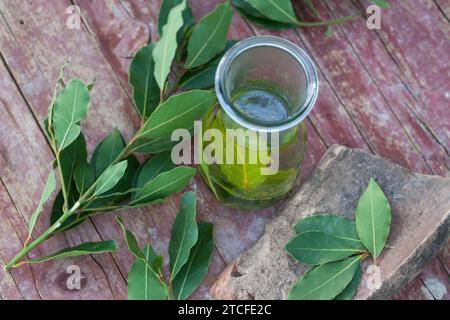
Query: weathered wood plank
pixel 415 290
pixel 436 279
pixel 417 36
pixel 392 85
pixel 444 7
pixel 361 98
pixel 9 289
pixel 112 32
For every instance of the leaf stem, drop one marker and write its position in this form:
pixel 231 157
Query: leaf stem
pixel 14 262
pixel 66 213
pixel 327 22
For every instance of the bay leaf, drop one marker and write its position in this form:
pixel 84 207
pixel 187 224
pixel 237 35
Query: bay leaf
pixel 146 92
pixel 121 191
pixel 203 78
pixel 326 281
pixel 209 36
pixel 157 164
pixel 316 247
pixel 80 250
pixel 165 49
pixel 373 218
pixel 131 241
pixel 277 10
pixel 330 224
pixel 68 159
pixel 71 107
pixel 49 187
pixel 247 7
pixel 143 283
pixel 195 269
pixel 107 151
pixel 178 112
pixel 184 234
pixel 242 174
pixel 166 7
pixel 383 4
pixel 84 176
pixel 204 171
pixel 264 22
pixel 350 291
pixel 110 177
pixel 164 185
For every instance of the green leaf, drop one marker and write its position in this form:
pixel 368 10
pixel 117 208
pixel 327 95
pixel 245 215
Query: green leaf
pixel 244 5
pixel 142 79
pixel 330 224
pixel 84 176
pixel 80 250
pixel 49 120
pixel 110 177
pixel 166 47
pixel 70 108
pixel 326 281
pixel 350 291
pixel 68 159
pixel 131 241
pixel 164 185
pixel 277 10
pixel 373 218
pixel 204 172
pixel 316 247
pixel 244 175
pixel 184 234
pixel 383 4
pixel 209 36
pixel 164 11
pixel 178 112
pixel 157 164
pixel 49 187
pixel 194 271
pixel 203 78
pixel 266 23
pixel 107 151
pixel 121 191
pixel 143 283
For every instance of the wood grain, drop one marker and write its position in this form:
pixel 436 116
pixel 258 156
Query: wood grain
pixel 385 103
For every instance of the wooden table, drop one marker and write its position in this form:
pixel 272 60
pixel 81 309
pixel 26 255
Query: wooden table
pixel 387 92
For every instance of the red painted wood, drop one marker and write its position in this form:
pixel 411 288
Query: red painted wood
pixel 395 91
pixel 415 290
pixel 376 102
pixel 417 35
pixel 444 7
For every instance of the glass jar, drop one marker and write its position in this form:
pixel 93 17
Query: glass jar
pixel 265 87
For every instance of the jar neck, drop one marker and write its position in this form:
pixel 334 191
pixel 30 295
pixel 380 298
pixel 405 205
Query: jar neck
pixel 268 60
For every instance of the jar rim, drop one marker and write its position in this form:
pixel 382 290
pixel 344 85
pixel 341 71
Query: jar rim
pixel 292 49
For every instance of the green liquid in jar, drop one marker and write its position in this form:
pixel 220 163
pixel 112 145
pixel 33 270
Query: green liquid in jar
pixel 241 185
